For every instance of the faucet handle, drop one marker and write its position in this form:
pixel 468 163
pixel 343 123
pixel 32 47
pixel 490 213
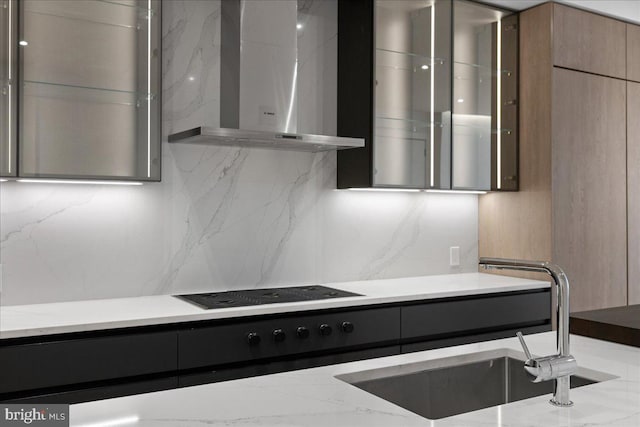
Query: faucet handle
pixel 524 345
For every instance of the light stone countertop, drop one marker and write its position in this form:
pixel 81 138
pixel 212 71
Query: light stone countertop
pixel 314 397
pixel 78 316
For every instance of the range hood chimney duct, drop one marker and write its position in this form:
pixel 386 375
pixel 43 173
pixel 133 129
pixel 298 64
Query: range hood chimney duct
pixel 266 49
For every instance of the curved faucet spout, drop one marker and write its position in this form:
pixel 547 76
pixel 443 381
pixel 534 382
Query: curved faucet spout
pixel 561 394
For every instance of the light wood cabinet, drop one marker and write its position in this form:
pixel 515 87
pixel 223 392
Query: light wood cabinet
pixel 633 189
pixel 588 42
pixel 633 52
pixel 572 204
pixel 589 187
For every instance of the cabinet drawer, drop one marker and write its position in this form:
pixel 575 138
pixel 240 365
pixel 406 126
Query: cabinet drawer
pixel 224 344
pixel 454 317
pixel 588 42
pixel 58 363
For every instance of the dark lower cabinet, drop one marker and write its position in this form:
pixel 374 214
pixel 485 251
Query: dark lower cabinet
pixel 91 392
pixel 256 369
pixel 91 366
pixel 287 336
pixel 49 364
pixel 450 318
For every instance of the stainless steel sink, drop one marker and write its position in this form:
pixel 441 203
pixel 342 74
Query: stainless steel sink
pixel 444 387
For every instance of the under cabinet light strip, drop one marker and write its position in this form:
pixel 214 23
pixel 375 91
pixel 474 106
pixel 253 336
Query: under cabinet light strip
pixel 394 190
pixel 499 107
pixel 433 104
pixel 456 191
pixel 415 190
pixel 149 89
pixel 68 181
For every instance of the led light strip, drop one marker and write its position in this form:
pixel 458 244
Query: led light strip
pixel 149 90
pixel 414 190
pixel 9 86
pixel 499 107
pixel 394 190
pixel 433 104
pixel 457 191
pixel 66 181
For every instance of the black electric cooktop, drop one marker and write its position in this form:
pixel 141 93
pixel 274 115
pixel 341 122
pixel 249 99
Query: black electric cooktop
pixel 248 297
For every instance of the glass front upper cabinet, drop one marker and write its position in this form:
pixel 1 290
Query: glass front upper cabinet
pixel 445 85
pixel 411 97
pixel 88 73
pixel 484 119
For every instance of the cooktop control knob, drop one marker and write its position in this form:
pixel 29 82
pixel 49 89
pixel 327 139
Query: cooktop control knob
pixel 347 327
pixel 253 338
pixel 279 335
pixel 325 329
pixel 302 332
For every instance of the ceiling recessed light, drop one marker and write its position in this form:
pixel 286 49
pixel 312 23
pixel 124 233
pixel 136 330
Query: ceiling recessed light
pixel 191 78
pixel 23 43
pixel 425 67
pixel 299 26
pixel 460 100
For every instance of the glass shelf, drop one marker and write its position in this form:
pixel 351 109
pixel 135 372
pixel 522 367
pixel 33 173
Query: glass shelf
pixel 483 69
pixel 415 126
pixel 389 54
pixel 141 9
pixel 85 94
pixel 102 12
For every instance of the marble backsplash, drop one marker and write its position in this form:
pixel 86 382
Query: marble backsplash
pixel 222 217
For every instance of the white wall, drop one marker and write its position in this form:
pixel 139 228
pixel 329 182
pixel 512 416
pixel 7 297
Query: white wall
pixel 221 218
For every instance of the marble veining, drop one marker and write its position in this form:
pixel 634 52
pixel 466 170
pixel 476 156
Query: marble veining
pixel 315 397
pixel 224 217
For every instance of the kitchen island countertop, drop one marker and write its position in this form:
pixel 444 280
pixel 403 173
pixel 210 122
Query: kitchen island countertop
pixel 315 397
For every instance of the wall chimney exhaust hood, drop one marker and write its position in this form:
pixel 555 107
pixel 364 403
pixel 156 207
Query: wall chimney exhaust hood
pixel 277 77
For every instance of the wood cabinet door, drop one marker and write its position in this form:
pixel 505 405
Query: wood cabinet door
pixel 633 191
pixel 588 42
pixel 633 52
pixel 589 187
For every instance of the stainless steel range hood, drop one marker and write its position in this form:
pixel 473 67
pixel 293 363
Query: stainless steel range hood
pixel 277 78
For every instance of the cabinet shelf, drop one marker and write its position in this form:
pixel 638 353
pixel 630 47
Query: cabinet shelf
pixel 86 94
pixel 415 126
pixel 141 9
pixel 101 12
pixel 387 55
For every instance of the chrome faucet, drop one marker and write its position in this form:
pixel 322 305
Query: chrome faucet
pixel 558 367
